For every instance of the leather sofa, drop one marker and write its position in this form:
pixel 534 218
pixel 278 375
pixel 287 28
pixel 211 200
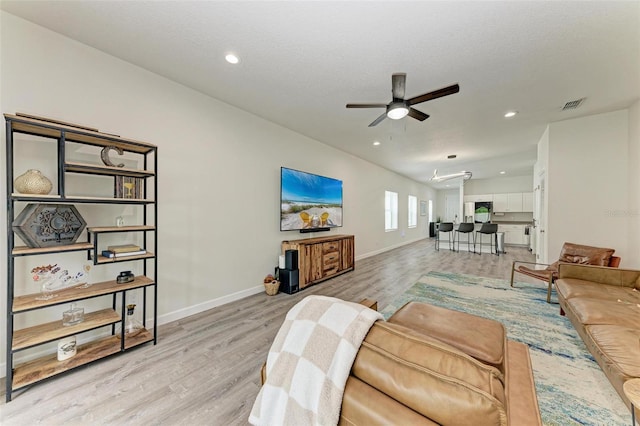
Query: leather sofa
pixel 428 365
pixel 603 304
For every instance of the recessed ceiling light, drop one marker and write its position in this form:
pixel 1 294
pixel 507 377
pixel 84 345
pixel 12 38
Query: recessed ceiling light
pixel 376 143
pixel 502 172
pixel 510 114
pixel 232 59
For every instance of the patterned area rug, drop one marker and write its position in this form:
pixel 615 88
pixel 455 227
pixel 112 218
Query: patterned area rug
pixel 571 388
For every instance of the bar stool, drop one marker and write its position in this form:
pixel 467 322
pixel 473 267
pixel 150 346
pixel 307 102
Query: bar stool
pixel 464 228
pixel 444 227
pixel 487 228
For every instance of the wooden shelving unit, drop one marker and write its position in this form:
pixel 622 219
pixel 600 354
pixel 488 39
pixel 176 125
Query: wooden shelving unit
pixel 98 346
pixel 78 199
pixel 43 333
pixel 29 302
pixel 93 169
pixel 26 251
pixel 34 371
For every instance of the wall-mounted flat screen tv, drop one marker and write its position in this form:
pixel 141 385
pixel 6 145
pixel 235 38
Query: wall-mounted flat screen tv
pixel 309 202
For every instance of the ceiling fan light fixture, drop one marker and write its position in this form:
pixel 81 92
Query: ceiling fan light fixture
pixel 231 58
pixel 397 110
pixel 400 107
pixel 465 175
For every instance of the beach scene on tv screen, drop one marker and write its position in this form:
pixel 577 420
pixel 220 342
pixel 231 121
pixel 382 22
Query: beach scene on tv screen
pixel 309 201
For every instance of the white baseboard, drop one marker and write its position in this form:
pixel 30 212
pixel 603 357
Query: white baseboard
pixel 209 304
pixel 386 249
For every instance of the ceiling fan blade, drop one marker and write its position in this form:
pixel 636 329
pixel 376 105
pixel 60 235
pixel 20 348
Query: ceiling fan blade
pixel 445 91
pixel 397 85
pixel 418 115
pixel 378 120
pixel 366 105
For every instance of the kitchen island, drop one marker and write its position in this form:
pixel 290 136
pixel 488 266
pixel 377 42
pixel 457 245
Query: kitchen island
pixel 515 233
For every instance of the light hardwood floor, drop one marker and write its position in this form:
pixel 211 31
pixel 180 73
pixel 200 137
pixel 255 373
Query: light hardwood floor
pixel 205 368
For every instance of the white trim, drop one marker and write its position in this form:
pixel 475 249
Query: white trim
pixel 209 304
pixel 385 249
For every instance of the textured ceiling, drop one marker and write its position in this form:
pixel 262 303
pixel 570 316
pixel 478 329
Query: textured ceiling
pixel 301 62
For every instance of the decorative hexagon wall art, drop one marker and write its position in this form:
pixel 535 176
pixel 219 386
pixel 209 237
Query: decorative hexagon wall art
pixel 49 225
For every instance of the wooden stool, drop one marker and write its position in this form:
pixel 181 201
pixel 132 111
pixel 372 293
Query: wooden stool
pixel 370 303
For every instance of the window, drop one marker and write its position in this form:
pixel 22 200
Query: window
pixel 412 221
pixel 390 211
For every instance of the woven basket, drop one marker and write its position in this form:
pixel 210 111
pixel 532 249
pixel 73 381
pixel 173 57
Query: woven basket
pixel 272 288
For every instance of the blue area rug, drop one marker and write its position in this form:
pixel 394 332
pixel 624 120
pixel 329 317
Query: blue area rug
pixel 571 388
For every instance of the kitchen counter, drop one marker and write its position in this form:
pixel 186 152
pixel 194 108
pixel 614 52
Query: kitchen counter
pixel 510 222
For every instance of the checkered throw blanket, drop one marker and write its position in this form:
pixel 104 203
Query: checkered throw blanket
pixel 309 362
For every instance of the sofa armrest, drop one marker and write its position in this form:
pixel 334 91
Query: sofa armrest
pixel 600 274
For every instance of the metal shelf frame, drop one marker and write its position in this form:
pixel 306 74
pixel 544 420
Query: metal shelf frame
pixel 63 133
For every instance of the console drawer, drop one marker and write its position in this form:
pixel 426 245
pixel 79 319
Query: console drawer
pixel 331 246
pixel 329 259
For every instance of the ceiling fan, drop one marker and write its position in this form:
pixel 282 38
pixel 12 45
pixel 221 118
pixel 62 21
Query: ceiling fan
pixel 400 107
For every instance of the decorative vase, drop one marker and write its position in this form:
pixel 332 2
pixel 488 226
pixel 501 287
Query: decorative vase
pixel 132 326
pixel 45 276
pixel 32 182
pixel 73 316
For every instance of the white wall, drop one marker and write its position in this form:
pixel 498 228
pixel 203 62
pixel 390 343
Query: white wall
pixel 634 186
pixel 218 168
pixel 588 183
pixel 499 185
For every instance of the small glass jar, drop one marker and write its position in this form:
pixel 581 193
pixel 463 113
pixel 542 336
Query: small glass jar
pixel 132 326
pixel 73 316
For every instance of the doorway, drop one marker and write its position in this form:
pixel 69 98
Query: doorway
pixel 540 215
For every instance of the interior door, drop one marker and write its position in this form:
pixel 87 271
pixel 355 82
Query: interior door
pixel 539 216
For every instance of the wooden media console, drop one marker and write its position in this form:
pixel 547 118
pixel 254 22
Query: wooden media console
pixel 322 258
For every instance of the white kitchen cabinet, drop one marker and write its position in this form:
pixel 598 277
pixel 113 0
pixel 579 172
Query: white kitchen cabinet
pixel 511 202
pixel 474 198
pixel 513 234
pixel 514 202
pixel 469 209
pixel 500 203
pixel 527 202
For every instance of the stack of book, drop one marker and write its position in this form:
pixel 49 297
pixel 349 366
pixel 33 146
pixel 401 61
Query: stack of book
pixel 123 250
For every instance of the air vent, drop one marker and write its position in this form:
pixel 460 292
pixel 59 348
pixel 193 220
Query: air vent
pixel 573 104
